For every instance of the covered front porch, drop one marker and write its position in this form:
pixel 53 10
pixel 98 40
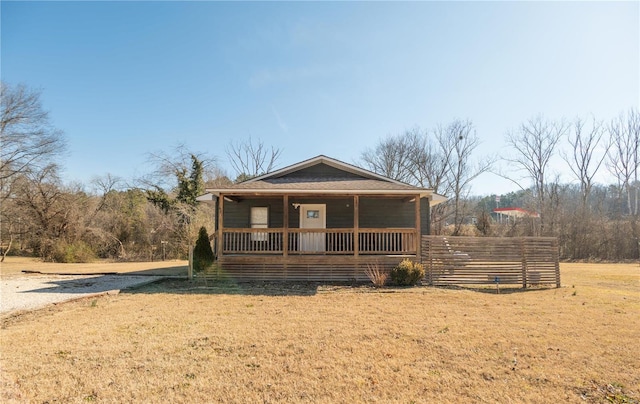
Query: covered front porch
pixel 306 237
pixel 300 225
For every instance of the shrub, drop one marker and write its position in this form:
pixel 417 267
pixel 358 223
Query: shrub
pixel 202 252
pixel 75 252
pixel 377 274
pixel 407 273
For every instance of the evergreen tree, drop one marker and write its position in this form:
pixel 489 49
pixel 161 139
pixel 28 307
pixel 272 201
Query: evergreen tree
pixel 159 198
pixel 192 185
pixel 202 252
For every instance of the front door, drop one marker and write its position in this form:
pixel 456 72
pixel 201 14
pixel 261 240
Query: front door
pixel 313 216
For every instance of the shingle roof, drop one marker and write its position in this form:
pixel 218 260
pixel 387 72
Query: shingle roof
pixel 317 184
pixel 362 182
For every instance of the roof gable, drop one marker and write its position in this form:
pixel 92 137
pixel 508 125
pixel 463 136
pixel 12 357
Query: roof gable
pixel 323 167
pixel 320 171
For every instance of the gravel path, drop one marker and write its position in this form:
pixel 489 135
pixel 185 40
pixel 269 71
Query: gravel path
pixel 29 292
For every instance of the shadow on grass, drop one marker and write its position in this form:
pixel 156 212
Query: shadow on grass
pixel 177 270
pixel 492 290
pixel 82 284
pixel 227 287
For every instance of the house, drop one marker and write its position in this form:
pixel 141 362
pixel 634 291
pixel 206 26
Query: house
pixel 320 219
pixel 513 214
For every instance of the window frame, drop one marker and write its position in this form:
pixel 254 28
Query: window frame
pixel 253 215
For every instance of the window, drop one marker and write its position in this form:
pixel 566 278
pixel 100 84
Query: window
pixel 259 220
pixel 313 214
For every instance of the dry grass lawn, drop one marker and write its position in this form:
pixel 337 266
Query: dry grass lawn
pixel 180 342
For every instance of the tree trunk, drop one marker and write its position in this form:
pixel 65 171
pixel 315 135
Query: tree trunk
pixel 5 252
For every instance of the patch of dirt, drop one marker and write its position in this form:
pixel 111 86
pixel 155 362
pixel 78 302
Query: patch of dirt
pixel 9 390
pixel 608 392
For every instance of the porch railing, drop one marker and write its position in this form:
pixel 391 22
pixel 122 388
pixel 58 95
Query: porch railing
pixel 248 241
pixel 399 241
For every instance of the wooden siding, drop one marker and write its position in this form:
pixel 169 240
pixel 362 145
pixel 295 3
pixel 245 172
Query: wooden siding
pixel 237 214
pixel 301 268
pixel 374 212
pixel 425 217
pixel 386 212
pixel 489 260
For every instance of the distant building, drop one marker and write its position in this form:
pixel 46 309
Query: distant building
pixel 505 214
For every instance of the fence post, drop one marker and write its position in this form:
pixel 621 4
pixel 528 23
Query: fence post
pixel 524 263
pixel 556 258
pixel 427 241
pixel 190 270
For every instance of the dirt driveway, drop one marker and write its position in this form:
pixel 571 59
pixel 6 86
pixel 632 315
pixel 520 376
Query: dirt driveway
pixel 28 284
pixel 32 292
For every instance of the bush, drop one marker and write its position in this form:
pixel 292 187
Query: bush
pixel 202 253
pixel 407 273
pixel 377 274
pixel 76 252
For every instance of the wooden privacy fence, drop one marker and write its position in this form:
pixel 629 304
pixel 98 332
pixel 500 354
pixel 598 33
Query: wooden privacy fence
pixel 491 260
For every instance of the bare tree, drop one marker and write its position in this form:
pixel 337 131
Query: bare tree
pixel 583 162
pixel 534 144
pixel 12 226
pixel 458 141
pixel 45 214
pixel 216 178
pixel 54 215
pixel 393 157
pixel 441 162
pixel 623 158
pixel 169 166
pixel 430 162
pixel 103 185
pixel 250 159
pixel 413 157
pixel 28 139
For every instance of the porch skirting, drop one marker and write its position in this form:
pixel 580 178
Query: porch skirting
pixel 302 268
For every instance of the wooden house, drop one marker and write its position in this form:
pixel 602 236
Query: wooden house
pixel 320 219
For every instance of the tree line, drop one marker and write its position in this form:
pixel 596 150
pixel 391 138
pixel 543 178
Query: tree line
pixel 157 216
pixel 591 221
pixel 153 217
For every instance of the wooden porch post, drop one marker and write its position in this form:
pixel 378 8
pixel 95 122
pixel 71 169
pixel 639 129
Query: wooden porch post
pixel 220 224
pixel 285 225
pixel 418 230
pixel 356 225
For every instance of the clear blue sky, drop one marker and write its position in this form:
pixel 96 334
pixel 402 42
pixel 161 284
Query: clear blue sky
pixel 126 78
